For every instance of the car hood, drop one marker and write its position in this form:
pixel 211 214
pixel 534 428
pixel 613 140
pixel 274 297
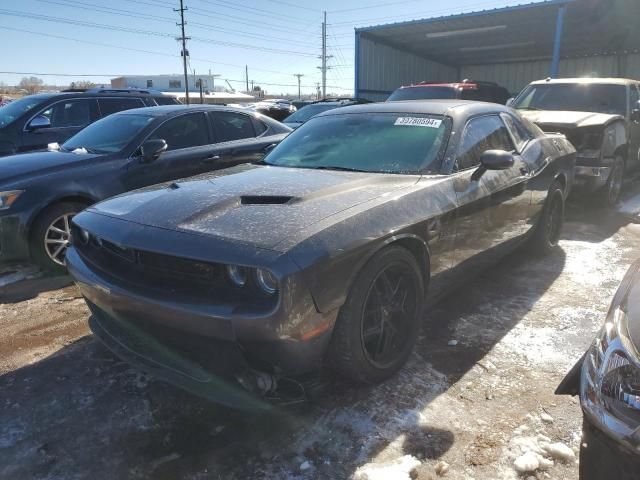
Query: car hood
pixel 14 167
pixel 565 119
pixel 258 205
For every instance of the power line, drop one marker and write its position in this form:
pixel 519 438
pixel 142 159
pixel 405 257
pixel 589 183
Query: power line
pixel 120 47
pixel 282 2
pixel 47 18
pixel 251 10
pixel 131 13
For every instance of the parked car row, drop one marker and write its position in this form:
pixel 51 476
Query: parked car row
pixel 287 251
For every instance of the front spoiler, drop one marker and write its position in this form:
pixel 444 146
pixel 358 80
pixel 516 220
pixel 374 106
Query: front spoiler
pixel 165 363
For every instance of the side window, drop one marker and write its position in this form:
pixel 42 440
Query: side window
pixel 184 131
pixel 518 132
pixel 482 134
pixel 70 113
pixel 233 126
pixel 258 126
pixel 166 100
pixel 113 105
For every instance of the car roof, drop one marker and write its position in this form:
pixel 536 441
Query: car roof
pixel 594 81
pixel 163 110
pixel 433 107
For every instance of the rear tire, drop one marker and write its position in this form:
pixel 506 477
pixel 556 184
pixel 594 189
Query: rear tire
pixel 50 235
pixel 609 195
pixel 378 325
pixel 547 232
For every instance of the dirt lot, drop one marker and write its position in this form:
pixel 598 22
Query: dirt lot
pixel 69 409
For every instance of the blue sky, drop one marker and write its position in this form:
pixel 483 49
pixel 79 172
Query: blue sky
pixel 275 38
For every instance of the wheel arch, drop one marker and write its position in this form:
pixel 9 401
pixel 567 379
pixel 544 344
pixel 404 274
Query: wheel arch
pixel 411 242
pixel 71 197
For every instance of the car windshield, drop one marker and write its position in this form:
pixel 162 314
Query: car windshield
pixel 305 113
pixel 109 135
pixel 576 97
pixel 422 93
pixel 13 110
pixel 367 142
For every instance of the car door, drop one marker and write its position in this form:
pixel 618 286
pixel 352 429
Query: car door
pixel 189 151
pixel 243 137
pixel 65 118
pixel 633 160
pixel 494 208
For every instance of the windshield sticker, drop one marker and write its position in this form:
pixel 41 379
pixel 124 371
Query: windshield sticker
pixel 418 122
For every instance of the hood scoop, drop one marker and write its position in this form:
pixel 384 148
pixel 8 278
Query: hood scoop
pixel 265 199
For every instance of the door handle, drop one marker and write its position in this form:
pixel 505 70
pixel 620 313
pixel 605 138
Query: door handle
pixel 210 159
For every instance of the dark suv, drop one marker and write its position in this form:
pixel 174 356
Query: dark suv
pixel 465 90
pixel 601 117
pixel 32 122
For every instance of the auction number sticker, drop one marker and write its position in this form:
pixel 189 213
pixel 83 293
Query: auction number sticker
pixel 418 122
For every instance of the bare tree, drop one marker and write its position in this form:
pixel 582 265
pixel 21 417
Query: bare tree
pixel 86 84
pixel 31 84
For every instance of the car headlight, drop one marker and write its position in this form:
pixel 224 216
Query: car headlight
pixel 7 198
pixel 611 376
pixel 267 281
pixel 238 275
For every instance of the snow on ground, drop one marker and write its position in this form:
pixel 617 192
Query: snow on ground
pixel 629 205
pixel 17 274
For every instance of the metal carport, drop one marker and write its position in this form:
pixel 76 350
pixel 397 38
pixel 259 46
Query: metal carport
pixel 510 46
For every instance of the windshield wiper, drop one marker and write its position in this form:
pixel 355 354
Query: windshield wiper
pixel 342 169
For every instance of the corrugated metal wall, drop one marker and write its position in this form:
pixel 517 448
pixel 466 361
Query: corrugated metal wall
pixel 384 68
pixel 515 76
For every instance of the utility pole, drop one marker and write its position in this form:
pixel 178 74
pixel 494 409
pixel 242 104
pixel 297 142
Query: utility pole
pixel 324 56
pixel 185 52
pixel 317 90
pixel 201 92
pixel 299 75
pixel 246 76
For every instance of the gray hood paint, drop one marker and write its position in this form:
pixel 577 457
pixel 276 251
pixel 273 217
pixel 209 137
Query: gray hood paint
pixel 262 206
pixel 569 119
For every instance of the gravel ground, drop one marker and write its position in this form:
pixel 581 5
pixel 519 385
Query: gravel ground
pixel 476 395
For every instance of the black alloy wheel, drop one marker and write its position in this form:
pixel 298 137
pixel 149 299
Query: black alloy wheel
pixel 378 325
pixel 390 306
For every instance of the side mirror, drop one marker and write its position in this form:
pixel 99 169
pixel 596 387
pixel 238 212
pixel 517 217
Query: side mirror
pixel 151 150
pixel 269 147
pixel 493 160
pixel 39 122
pixel 511 101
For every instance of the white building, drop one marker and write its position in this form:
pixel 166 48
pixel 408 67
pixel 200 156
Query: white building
pixel 174 85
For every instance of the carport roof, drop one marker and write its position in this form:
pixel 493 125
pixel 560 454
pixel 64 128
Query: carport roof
pixel 521 32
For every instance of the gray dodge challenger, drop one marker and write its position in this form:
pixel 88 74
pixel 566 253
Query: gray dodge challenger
pixel 236 284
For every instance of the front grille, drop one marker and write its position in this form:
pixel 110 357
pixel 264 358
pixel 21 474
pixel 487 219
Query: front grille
pixel 159 274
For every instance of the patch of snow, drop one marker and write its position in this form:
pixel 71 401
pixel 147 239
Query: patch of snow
pixel 630 206
pixel 18 274
pixel 559 451
pixel 452 343
pixel 441 468
pixel 527 462
pixel 546 418
pixel 305 465
pixel 399 469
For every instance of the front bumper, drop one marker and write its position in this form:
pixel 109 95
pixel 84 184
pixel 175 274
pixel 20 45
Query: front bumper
pixel 14 239
pixel 264 342
pixel 591 179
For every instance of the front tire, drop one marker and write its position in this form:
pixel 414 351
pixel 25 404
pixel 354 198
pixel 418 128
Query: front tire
pixel 51 234
pixel 547 233
pixel 378 325
pixel 610 193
